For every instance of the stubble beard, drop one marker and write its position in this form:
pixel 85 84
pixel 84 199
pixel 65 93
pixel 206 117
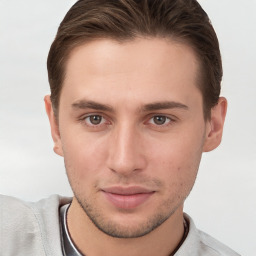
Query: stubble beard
pixel 117 230
pixel 109 227
pixel 114 229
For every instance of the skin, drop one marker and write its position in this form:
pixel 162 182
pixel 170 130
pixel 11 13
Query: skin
pixel 131 114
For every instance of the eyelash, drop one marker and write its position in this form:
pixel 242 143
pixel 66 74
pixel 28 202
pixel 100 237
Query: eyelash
pixel 86 120
pixel 167 120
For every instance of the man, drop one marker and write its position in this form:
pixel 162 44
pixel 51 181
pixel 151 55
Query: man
pixel 134 103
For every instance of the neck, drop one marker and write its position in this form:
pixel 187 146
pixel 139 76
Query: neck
pixel 91 241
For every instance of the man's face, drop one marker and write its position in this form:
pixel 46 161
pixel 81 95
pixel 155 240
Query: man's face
pixel 132 131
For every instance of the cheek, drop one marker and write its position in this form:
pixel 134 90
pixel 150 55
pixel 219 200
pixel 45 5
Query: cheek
pixel 178 171
pixel 177 159
pixel 84 156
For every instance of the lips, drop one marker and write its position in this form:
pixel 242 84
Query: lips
pixel 127 197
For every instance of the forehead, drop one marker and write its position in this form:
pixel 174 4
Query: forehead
pixel 144 68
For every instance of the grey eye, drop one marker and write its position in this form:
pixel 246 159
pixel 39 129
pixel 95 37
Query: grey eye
pixel 95 119
pixel 159 120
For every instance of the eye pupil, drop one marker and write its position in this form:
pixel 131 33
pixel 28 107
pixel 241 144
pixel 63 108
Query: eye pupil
pixel 159 120
pixel 95 119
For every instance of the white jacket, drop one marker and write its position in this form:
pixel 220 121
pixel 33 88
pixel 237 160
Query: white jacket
pixel 33 229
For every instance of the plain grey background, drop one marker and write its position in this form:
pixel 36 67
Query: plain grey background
pixel 223 200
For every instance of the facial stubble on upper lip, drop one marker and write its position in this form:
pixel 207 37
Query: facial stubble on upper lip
pixel 127 190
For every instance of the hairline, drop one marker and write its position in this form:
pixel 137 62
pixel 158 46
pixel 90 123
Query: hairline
pixel 122 40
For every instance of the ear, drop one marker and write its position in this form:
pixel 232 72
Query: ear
pixel 214 128
pixel 54 126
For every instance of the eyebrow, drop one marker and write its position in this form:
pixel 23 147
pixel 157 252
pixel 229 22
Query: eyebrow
pixel 164 105
pixel 85 104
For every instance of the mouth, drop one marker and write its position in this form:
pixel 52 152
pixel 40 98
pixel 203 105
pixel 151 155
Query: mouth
pixel 127 197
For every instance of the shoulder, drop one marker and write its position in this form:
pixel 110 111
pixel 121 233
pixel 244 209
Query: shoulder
pixel 200 243
pixel 16 211
pixel 215 246
pixel 28 226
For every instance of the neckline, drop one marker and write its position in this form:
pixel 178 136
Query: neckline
pixel 69 249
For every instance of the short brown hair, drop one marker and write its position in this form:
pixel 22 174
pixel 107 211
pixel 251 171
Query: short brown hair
pixel 182 20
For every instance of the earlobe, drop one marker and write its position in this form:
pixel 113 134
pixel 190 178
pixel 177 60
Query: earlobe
pixel 215 125
pixel 54 126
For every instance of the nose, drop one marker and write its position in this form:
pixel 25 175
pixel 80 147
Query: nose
pixel 126 154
